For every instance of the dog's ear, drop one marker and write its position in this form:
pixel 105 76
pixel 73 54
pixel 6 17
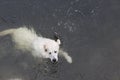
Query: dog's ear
pixel 56 37
pixel 58 41
pixel 45 48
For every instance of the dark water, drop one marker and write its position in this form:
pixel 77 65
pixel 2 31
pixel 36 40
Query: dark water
pixel 89 29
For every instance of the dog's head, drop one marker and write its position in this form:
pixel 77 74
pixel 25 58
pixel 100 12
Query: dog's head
pixel 51 49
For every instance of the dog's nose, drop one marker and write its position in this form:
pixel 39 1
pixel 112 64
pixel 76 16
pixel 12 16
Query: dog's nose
pixel 54 60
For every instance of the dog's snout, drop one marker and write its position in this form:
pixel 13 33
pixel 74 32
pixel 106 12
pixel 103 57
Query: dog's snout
pixel 54 60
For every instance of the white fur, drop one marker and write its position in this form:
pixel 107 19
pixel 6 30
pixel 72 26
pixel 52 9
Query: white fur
pixel 27 40
pixel 66 56
pixel 15 79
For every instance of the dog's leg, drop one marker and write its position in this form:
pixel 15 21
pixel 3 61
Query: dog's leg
pixel 65 55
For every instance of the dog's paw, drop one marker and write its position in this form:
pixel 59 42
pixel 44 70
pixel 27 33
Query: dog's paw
pixel 69 59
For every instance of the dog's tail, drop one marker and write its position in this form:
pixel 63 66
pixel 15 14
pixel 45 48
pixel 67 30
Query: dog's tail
pixel 23 37
pixel 7 32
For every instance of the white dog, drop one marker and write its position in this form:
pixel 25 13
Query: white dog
pixel 27 40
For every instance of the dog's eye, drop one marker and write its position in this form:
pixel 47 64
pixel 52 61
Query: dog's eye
pixel 55 51
pixel 49 52
pixel 46 50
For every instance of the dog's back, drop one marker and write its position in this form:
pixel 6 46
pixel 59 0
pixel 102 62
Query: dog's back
pixel 23 37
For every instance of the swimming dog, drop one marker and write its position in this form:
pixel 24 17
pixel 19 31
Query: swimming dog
pixel 26 39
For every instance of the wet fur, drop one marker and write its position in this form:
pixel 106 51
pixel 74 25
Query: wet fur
pixel 27 40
